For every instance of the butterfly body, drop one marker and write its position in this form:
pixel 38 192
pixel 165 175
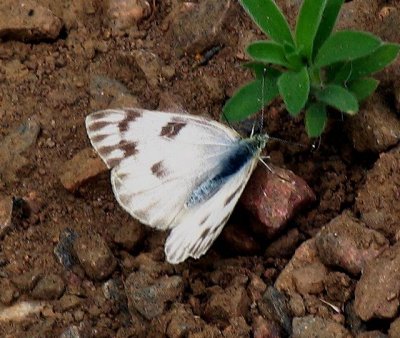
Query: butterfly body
pixel 175 171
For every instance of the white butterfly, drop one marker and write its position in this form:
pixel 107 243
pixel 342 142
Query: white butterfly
pixel 175 171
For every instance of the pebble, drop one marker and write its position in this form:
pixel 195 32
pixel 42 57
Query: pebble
pixel 64 248
pixel 285 245
pixel 274 307
pixel 26 281
pixel 195 28
pixel 274 201
pixel 378 200
pixel 26 20
pixel 227 303
pixel 13 148
pixel 376 293
pixel 394 330
pixel 375 127
pixel 150 64
pixel 6 207
pixel 310 279
pixel 19 311
pixel 49 287
pixel 264 328
pixel 125 14
pixel 347 243
pixel 149 296
pixel 129 235
pixel 83 166
pixel 94 256
pixel 8 291
pixel 182 322
pixel 311 326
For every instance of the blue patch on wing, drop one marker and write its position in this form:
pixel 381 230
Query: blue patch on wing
pixel 238 157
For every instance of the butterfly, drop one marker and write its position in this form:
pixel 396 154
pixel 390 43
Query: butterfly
pixel 175 172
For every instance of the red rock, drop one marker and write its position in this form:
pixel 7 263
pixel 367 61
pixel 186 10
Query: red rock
pixel 239 240
pixel 285 245
pixel 274 198
pixel 83 166
pixel 346 243
pixel 125 14
pixel 310 278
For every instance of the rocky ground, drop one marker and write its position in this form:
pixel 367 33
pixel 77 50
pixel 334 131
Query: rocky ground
pixel 316 255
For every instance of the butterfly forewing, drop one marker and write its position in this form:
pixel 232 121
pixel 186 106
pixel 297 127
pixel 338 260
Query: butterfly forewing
pixel 158 160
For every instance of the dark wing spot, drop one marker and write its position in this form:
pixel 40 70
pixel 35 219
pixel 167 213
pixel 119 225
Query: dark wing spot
pixel 99 115
pixel 113 162
pixel 204 220
pixel 129 148
pixel 158 169
pixel 231 196
pixel 98 138
pixel 172 129
pixel 131 115
pixel 97 126
pixel 205 233
pixel 125 199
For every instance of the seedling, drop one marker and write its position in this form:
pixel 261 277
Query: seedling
pixel 312 68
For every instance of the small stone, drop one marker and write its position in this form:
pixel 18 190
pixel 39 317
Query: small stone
pixel 64 248
pixel 239 239
pixel 196 28
pixel 8 291
pixel 376 294
pixel 26 281
pixel 297 306
pixel 339 287
pixel 168 72
pixel 375 127
pixel 125 14
pixel 274 307
pixel 129 235
pixel 305 255
pixel 6 207
pixel 182 322
pixel 263 328
pixel 150 64
pixel 228 303
pixel 378 200
pixel 346 243
pixel 26 20
pixel 148 296
pixel 256 288
pixel 13 148
pixel 310 327
pixel 68 302
pixel 49 287
pixel 95 256
pixel 273 200
pixel 83 166
pixel 237 328
pixel 310 279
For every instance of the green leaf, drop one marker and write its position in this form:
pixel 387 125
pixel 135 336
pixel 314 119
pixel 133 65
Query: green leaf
pixel 268 52
pixel 294 88
pixel 339 98
pixel 248 99
pixel 346 46
pixel 260 70
pixel 267 15
pixel 363 88
pixel 307 25
pixel 329 17
pixel 375 61
pixel 315 119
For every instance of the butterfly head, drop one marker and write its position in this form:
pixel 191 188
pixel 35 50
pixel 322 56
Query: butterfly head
pixel 260 140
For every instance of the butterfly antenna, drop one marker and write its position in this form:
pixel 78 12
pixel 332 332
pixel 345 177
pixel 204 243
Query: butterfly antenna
pixel 287 142
pixel 262 99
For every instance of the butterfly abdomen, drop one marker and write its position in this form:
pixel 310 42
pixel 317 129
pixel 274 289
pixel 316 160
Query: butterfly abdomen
pixel 240 155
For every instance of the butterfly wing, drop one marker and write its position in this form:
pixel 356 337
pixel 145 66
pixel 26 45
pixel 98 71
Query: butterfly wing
pixel 157 158
pixel 195 229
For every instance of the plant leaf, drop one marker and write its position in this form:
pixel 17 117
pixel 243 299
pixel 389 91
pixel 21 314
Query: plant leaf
pixel 308 21
pixel 375 61
pixel 329 17
pixel 268 52
pixel 248 99
pixel 260 70
pixel 346 46
pixel 363 88
pixel 294 88
pixel 315 119
pixel 267 15
pixel 339 98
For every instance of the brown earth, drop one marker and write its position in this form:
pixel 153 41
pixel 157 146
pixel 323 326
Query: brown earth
pixel 61 60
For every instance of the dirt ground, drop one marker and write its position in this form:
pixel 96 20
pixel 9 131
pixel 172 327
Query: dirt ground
pixel 61 60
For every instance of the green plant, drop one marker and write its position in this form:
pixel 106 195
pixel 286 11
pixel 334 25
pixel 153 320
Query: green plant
pixel 312 68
